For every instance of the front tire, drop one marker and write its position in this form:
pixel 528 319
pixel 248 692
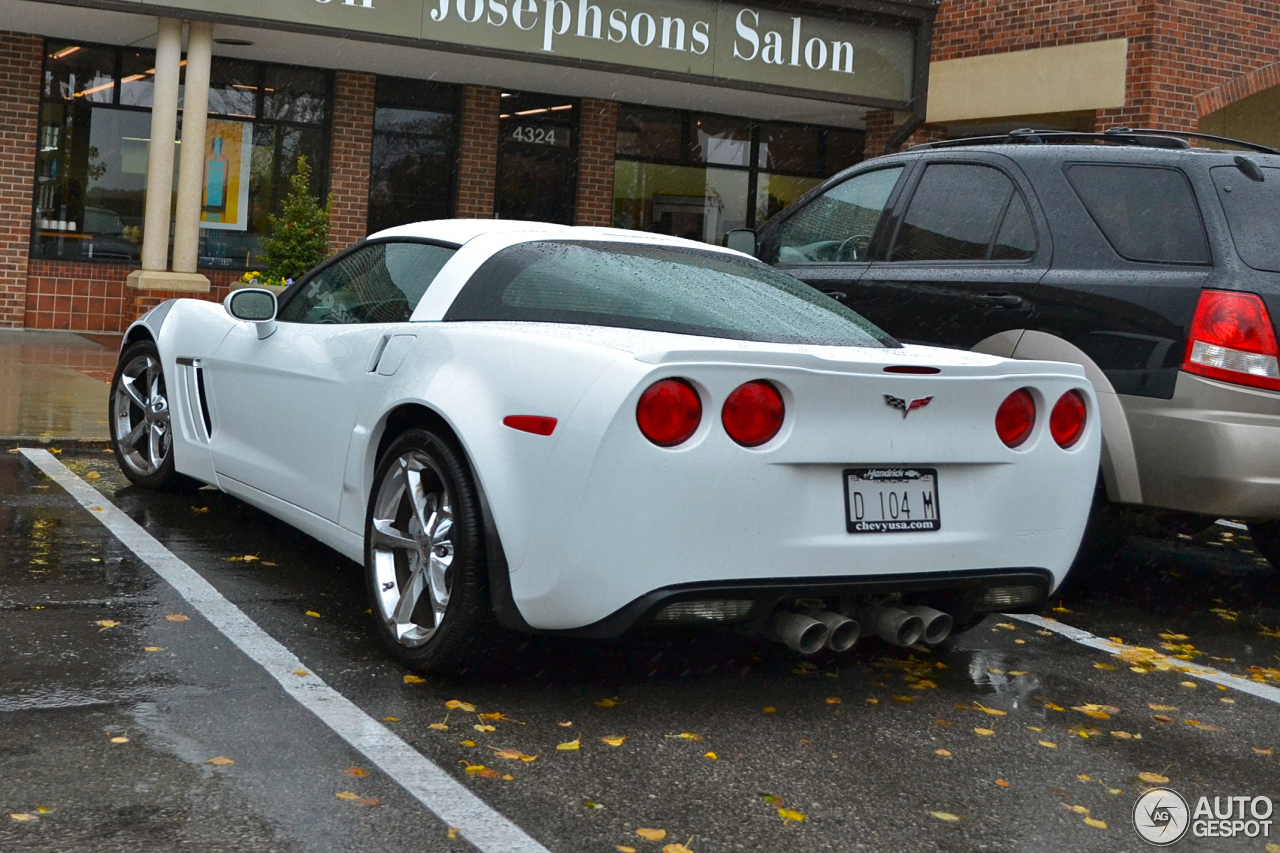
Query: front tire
pixel 139 418
pixel 425 567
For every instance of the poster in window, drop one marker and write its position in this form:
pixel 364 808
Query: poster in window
pixel 227 154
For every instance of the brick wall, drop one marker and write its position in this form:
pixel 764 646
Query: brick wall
pixel 1178 49
pixel 597 145
pixel 478 152
pixel 349 158
pixel 882 123
pixel 93 297
pixel 20 60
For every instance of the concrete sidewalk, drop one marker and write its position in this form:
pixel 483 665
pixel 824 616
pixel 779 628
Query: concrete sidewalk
pixel 53 385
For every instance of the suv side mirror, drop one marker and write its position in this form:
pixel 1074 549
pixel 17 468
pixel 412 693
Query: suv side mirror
pixel 254 305
pixel 742 240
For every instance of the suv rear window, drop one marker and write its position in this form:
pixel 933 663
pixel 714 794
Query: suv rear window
pixel 1147 213
pixel 657 288
pixel 1253 214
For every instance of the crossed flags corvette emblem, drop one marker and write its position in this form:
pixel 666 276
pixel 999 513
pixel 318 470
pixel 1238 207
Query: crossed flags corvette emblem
pixel 906 406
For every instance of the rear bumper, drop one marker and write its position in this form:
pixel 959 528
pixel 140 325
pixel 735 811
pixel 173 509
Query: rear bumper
pixel 1212 449
pixel 952 592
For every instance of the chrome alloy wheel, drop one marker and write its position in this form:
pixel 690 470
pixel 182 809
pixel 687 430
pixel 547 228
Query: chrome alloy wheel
pixel 141 426
pixel 412 548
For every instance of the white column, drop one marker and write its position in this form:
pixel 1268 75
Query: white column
pixel 164 127
pixel 191 160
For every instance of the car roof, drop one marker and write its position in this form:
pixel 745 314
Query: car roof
pixel 462 231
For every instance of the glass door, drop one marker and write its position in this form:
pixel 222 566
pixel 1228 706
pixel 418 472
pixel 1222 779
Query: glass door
pixel 537 156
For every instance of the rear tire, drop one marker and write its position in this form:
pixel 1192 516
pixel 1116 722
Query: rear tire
pixel 1266 538
pixel 1105 533
pixel 139 418
pixel 425 568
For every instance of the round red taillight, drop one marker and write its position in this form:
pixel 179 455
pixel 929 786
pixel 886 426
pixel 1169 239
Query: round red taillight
pixel 669 412
pixel 1015 418
pixel 1066 421
pixel 753 413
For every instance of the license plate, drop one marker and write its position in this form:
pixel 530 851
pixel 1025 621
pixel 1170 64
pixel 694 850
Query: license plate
pixel 891 500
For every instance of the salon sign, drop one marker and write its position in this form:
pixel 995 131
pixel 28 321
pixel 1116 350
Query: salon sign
pixel 726 43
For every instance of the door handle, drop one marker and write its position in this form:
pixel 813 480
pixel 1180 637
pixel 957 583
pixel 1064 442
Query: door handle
pixel 837 295
pixel 1000 300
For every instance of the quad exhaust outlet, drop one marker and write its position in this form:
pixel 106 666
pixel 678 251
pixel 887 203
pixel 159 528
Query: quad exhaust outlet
pixel 811 629
pixel 800 633
pixel 937 625
pixel 893 625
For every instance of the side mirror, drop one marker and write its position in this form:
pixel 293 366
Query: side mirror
pixel 742 240
pixel 254 305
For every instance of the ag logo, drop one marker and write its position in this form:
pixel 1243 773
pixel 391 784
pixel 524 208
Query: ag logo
pixel 906 406
pixel 1161 816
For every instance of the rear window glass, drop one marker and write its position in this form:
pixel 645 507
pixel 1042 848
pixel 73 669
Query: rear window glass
pixel 1253 214
pixel 1146 213
pixel 657 288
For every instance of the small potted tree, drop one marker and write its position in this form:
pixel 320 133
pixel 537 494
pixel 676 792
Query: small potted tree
pixel 299 235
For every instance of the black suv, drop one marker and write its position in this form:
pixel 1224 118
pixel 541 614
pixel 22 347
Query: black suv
pixel 1153 264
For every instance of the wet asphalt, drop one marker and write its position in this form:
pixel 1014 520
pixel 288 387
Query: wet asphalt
pixel 110 710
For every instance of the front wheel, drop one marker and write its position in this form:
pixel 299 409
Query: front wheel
pixel 138 413
pixel 424 554
pixel 1266 538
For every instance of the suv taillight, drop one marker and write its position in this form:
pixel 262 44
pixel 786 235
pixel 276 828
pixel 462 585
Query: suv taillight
pixel 1232 340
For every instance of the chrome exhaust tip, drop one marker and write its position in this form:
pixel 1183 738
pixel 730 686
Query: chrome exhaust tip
pixel 937 625
pixel 800 633
pixel 893 625
pixel 842 632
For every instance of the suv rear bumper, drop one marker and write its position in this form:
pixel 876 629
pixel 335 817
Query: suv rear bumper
pixel 1212 449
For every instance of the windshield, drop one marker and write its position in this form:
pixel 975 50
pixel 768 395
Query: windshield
pixel 1253 214
pixel 657 288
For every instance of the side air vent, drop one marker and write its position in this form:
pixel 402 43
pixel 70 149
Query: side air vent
pixel 204 401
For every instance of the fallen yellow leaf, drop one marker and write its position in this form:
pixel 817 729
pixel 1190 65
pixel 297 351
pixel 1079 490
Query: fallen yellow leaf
pixel 455 705
pixel 607 702
pixel 220 761
pixel 483 728
pixel 474 769
pixel 984 732
pixel 1095 823
pixel 1126 736
pixel 769 709
pixel 300 672
pixel 199 509
pixel 439 727
pixel 177 617
pixel 1155 707
pixel 414 679
pixel 615 740
pixel 153 648
pixel 622 848
pixel 565 724
pixel 467 742
pixel 355 771
pixel 945 753
pixel 1161 718
pixel 1103 666
pixel 120 739
pixel 390 719
pixel 1002 783
pixel 687 736
pixel 945 816
pixel 356 798
pixel 573 744
pixel 1188 684
pixel 1047 744
pixel 1153 778
pixel 995 712
pixel 1268 751
pixel 790 815
pixel 833 700
pixel 711 755
pixel 453 832
pixel 495 716
pixel 651 834
pixel 21 817
pixel 676 848
pixel 514 755
pixel 905 698
pixel 1053 707
pixel 107 623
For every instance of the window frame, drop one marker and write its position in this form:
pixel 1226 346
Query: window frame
pixel 883 251
pixel 291 293
pixel 325 127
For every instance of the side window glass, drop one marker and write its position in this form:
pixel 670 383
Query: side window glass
pixel 1017 238
pixel 954 214
pixel 837 226
pixel 1146 213
pixel 380 283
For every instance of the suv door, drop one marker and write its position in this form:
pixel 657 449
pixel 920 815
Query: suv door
pixel 964 256
pixel 826 242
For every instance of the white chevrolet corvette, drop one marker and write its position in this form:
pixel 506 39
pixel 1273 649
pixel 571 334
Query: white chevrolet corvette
pixel 585 430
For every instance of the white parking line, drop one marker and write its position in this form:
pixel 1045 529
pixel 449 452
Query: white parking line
pixel 456 806
pixel 1204 673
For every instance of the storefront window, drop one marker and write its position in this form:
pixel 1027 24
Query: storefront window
pixel 537 157
pixel 700 176
pixel 414 150
pixel 94 144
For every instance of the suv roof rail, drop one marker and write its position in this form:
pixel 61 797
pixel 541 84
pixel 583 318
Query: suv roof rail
pixel 1146 137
